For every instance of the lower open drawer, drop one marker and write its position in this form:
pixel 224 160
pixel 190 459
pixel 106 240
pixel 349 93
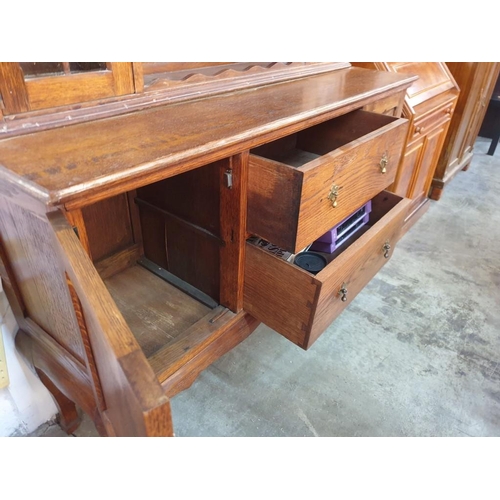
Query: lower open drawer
pixel 300 305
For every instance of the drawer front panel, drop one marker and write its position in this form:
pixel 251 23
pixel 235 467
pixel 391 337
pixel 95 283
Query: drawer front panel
pixel 424 125
pixel 354 268
pixel 360 171
pixel 299 305
pixel 294 206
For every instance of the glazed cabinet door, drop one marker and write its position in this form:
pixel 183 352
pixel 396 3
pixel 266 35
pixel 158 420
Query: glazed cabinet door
pixel 30 86
pixel 129 398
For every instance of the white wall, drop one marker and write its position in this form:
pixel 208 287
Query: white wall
pixel 25 404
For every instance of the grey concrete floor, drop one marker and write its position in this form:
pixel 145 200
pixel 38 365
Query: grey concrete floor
pixel 417 353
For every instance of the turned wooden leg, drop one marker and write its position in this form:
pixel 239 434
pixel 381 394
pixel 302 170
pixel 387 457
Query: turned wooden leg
pixel 69 419
pixel 435 193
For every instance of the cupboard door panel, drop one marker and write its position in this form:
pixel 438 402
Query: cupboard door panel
pixel 129 385
pixel 408 166
pixel 425 170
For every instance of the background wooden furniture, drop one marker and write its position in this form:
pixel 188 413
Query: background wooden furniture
pixel 476 82
pixel 123 240
pixel 429 105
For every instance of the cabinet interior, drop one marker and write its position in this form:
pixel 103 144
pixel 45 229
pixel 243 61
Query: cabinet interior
pixel 158 251
pixel 382 204
pixel 302 147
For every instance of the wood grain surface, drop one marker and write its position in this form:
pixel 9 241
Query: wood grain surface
pixel 429 105
pixel 233 210
pixel 290 207
pixel 300 305
pixel 27 242
pixel 129 385
pixel 476 81
pixel 219 344
pixel 154 310
pixel 90 161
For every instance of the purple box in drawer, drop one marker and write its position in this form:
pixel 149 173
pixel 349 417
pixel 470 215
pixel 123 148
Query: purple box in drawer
pixel 332 239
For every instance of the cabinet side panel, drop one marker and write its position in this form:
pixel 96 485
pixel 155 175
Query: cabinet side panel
pixel 29 249
pixel 274 192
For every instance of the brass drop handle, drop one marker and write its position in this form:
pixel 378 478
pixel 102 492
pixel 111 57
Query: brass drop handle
pixel 334 194
pixel 418 130
pixel 448 111
pixel 343 292
pixel 386 249
pixel 383 162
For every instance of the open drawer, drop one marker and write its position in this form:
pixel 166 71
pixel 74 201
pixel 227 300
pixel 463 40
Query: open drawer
pixel 300 305
pixel 302 185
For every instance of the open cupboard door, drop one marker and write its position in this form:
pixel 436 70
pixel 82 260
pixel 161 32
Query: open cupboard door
pixel 129 397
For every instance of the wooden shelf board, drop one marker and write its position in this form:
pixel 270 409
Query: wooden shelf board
pixel 155 311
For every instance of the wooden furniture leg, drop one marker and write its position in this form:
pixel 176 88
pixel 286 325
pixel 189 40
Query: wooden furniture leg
pixel 69 419
pixel 436 192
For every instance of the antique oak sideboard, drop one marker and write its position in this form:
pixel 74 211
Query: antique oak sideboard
pixel 128 194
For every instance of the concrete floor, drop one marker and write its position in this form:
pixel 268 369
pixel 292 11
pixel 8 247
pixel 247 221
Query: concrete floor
pixel 417 353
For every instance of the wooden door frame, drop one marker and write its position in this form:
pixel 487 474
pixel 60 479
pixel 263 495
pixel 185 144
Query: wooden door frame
pixel 20 95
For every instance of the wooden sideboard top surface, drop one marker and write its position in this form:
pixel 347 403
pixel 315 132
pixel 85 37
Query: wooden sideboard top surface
pixel 82 163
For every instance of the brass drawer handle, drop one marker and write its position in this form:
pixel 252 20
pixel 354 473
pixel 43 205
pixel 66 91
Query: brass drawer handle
pixel 383 162
pixel 448 111
pixel 334 194
pixel 386 249
pixel 343 292
pixel 419 130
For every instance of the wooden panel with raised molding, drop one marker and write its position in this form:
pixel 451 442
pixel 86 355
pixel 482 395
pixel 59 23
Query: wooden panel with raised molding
pixel 28 245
